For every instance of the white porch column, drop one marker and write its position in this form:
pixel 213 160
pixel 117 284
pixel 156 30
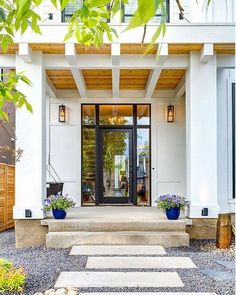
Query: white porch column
pixel 31 137
pixel 201 136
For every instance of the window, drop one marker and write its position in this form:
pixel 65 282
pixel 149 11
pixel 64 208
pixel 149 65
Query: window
pixel 70 9
pixel 129 9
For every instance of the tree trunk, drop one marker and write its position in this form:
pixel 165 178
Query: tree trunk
pixel 224 232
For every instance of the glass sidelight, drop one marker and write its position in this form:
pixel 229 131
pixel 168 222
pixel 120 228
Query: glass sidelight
pixel 115 166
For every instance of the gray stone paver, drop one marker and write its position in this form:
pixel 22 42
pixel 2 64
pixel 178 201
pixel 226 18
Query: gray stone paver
pixel 117 250
pixel 118 279
pixel 139 262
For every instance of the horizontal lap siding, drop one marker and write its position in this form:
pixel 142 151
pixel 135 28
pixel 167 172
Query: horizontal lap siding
pixel 7 196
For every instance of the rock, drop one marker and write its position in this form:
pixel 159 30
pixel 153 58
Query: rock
pixel 38 293
pixel 72 289
pixel 72 292
pixel 49 292
pixel 61 291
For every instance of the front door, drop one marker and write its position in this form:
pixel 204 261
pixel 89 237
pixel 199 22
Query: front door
pixel 115 166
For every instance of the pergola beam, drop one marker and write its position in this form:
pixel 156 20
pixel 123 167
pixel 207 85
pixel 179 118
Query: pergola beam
pixel 25 52
pixel 180 88
pixel 207 52
pixel 128 61
pixel 51 87
pixel 115 61
pixel 79 81
pixel 71 54
pixel 162 54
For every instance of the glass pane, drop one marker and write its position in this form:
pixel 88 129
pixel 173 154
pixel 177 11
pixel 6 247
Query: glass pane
pixel 130 8
pixel 88 115
pixel 143 167
pixel 115 114
pixel 71 8
pixel 88 166
pixel 116 164
pixel 143 115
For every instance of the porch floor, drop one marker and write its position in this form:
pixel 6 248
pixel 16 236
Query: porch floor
pixel 118 213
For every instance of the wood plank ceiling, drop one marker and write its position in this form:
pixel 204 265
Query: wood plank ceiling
pixel 129 79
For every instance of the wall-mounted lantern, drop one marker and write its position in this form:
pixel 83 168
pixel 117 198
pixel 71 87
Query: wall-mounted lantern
pixel 62 113
pixel 170 114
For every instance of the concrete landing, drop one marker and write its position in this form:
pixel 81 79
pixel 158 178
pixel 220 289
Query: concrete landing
pixel 116 226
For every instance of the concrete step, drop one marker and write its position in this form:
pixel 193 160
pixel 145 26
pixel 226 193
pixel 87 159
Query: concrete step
pixel 69 239
pixel 96 225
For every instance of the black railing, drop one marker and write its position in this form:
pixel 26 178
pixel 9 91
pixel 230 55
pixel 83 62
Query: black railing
pixel 70 9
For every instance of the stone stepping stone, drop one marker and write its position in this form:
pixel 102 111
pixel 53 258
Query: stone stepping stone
pixel 118 279
pixel 219 275
pixel 139 262
pixel 149 293
pixel 117 250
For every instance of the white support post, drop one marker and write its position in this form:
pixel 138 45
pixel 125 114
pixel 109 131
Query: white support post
pixel 207 52
pixel 180 88
pixel 162 54
pixel 25 52
pixel 201 136
pixel 115 61
pixel 31 138
pixel 79 81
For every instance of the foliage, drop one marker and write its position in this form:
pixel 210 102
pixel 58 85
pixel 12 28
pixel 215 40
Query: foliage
pixel 10 95
pixel 58 202
pixel 12 279
pixel 172 201
pixel 88 25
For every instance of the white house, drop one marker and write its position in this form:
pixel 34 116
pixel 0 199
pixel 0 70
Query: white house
pixel 116 145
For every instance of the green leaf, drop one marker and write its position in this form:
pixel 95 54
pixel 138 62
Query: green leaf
pixel 97 3
pixel 54 2
pixel 2 15
pixel 64 3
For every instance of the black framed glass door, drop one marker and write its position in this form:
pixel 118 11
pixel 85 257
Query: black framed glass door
pixel 115 165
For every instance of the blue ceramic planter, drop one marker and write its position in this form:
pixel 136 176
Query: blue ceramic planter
pixel 173 213
pixel 58 213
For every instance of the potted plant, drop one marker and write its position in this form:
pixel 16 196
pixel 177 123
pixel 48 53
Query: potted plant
pixel 172 204
pixel 58 204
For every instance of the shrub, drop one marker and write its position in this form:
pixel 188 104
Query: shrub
pixel 12 279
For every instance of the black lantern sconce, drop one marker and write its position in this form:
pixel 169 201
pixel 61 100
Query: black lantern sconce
pixel 170 114
pixel 62 113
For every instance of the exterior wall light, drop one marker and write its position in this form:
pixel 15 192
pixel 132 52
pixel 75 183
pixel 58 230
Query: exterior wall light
pixel 205 212
pixel 170 114
pixel 62 113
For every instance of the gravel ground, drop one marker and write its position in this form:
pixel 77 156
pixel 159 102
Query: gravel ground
pixel 215 272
